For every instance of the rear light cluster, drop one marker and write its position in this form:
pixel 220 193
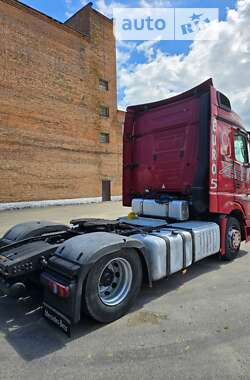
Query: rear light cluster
pixel 60 290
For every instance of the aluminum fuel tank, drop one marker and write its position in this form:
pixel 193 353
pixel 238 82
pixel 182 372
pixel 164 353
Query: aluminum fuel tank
pixel 205 235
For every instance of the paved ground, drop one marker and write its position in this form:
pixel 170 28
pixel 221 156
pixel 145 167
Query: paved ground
pixel 62 214
pixel 191 326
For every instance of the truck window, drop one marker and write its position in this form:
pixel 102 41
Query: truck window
pixel 240 148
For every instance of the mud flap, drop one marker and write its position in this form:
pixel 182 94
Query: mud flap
pixel 57 318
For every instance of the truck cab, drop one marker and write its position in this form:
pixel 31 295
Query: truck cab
pixel 229 188
pixel 191 147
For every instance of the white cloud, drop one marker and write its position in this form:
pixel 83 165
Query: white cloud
pixel 122 57
pixel 68 14
pixel 148 49
pixel 107 9
pixel 154 3
pixel 124 50
pixel 128 45
pixel 226 59
pixel 68 4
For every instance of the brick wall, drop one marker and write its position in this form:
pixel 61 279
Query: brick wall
pixel 49 106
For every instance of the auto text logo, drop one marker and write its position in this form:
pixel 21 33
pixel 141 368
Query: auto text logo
pixel 163 23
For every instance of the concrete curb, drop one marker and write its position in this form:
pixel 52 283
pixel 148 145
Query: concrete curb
pixel 57 202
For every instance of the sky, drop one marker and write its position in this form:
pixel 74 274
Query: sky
pixel 149 71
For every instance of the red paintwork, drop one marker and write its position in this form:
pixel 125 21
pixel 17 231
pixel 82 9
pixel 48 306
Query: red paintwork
pixel 166 135
pixel 162 131
pixel 223 226
pixel 229 183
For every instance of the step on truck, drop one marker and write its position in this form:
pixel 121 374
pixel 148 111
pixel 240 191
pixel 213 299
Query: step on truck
pixel 186 176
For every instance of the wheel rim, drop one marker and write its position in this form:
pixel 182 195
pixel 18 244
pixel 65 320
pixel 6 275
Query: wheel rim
pixel 234 238
pixel 115 281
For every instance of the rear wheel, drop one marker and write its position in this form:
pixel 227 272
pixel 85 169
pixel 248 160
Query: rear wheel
pixel 233 239
pixel 112 285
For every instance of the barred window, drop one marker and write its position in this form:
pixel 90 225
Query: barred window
pixel 104 138
pixel 104 111
pixel 103 84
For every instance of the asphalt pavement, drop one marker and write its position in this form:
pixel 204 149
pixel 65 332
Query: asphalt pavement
pixel 194 325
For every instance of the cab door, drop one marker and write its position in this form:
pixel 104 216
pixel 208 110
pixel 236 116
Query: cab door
pixel 241 170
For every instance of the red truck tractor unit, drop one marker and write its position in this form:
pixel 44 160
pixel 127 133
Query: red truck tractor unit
pixel 186 177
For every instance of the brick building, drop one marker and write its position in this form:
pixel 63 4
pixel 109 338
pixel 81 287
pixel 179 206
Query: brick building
pixel 60 132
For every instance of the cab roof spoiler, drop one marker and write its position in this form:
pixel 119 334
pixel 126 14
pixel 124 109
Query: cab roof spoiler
pixel 201 88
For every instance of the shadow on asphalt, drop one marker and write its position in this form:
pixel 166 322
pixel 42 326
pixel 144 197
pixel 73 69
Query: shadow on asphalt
pixel 22 324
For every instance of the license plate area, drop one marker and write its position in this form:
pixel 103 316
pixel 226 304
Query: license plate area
pixel 57 319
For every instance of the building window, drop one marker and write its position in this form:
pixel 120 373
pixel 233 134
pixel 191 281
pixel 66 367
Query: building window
pixel 104 138
pixel 104 111
pixel 103 84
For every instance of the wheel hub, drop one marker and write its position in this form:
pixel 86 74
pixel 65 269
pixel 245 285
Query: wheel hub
pixel 235 238
pixel 115 282
pixel 107 277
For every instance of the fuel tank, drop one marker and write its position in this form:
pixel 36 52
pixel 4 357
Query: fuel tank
pixel 178 245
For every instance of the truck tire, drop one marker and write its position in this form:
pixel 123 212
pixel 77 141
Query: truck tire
pixel 112 285
pixel 233 239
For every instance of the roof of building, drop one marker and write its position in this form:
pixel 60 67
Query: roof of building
pixel 90 4
pixel 35 12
